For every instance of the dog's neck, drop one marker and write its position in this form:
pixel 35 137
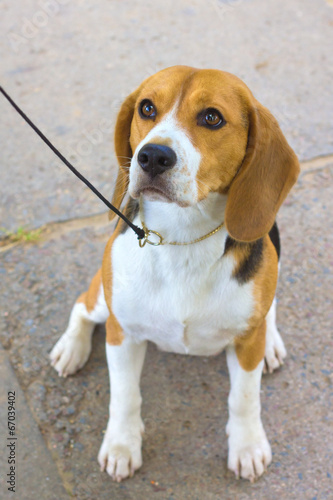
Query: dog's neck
pixel 181 224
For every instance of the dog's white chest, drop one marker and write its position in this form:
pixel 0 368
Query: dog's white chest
pixel 183 299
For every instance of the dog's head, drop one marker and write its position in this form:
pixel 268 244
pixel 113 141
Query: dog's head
pixel 190 132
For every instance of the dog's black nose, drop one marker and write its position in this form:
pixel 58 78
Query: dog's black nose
pixel 156 159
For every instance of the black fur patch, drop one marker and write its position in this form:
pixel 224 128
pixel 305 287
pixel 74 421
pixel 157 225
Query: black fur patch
pixel 251 262
pixel 275 239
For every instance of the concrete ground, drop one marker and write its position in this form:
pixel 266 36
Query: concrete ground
pixel 69 65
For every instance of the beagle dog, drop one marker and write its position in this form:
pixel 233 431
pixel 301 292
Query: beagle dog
pixel 206 168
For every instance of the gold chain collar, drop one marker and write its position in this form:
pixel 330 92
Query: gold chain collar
pixel 161 240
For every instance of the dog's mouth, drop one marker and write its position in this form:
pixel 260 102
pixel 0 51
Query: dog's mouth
pixel 156 194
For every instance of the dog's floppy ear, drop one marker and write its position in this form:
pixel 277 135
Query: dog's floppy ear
pixel 269 169
pixel 123 148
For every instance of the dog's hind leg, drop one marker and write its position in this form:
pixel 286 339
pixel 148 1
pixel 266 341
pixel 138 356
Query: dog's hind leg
pixel 275 352
pixel 73 348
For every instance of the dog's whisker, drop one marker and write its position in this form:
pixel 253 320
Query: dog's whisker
pixel 204 184
pixel 125 189
pixel 201 191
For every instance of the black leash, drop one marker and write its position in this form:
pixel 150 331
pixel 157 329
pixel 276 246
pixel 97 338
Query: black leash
pixel 140 232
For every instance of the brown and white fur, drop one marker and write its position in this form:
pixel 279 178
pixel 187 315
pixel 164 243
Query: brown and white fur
pixel 197 299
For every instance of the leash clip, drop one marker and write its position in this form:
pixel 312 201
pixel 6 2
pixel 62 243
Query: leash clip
pixel 146 239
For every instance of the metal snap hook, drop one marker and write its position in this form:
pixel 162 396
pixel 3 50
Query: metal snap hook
pixel 146 239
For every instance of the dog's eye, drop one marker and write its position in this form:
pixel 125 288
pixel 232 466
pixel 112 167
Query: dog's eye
pixel 147 109
pixel 211 118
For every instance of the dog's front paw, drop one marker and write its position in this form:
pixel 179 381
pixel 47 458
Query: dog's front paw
pixel 249 450
pixel 70 353
pixel 275 352
pixel 120 453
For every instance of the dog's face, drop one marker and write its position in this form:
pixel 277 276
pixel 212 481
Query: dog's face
pixel 191 132
pixel 200 124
